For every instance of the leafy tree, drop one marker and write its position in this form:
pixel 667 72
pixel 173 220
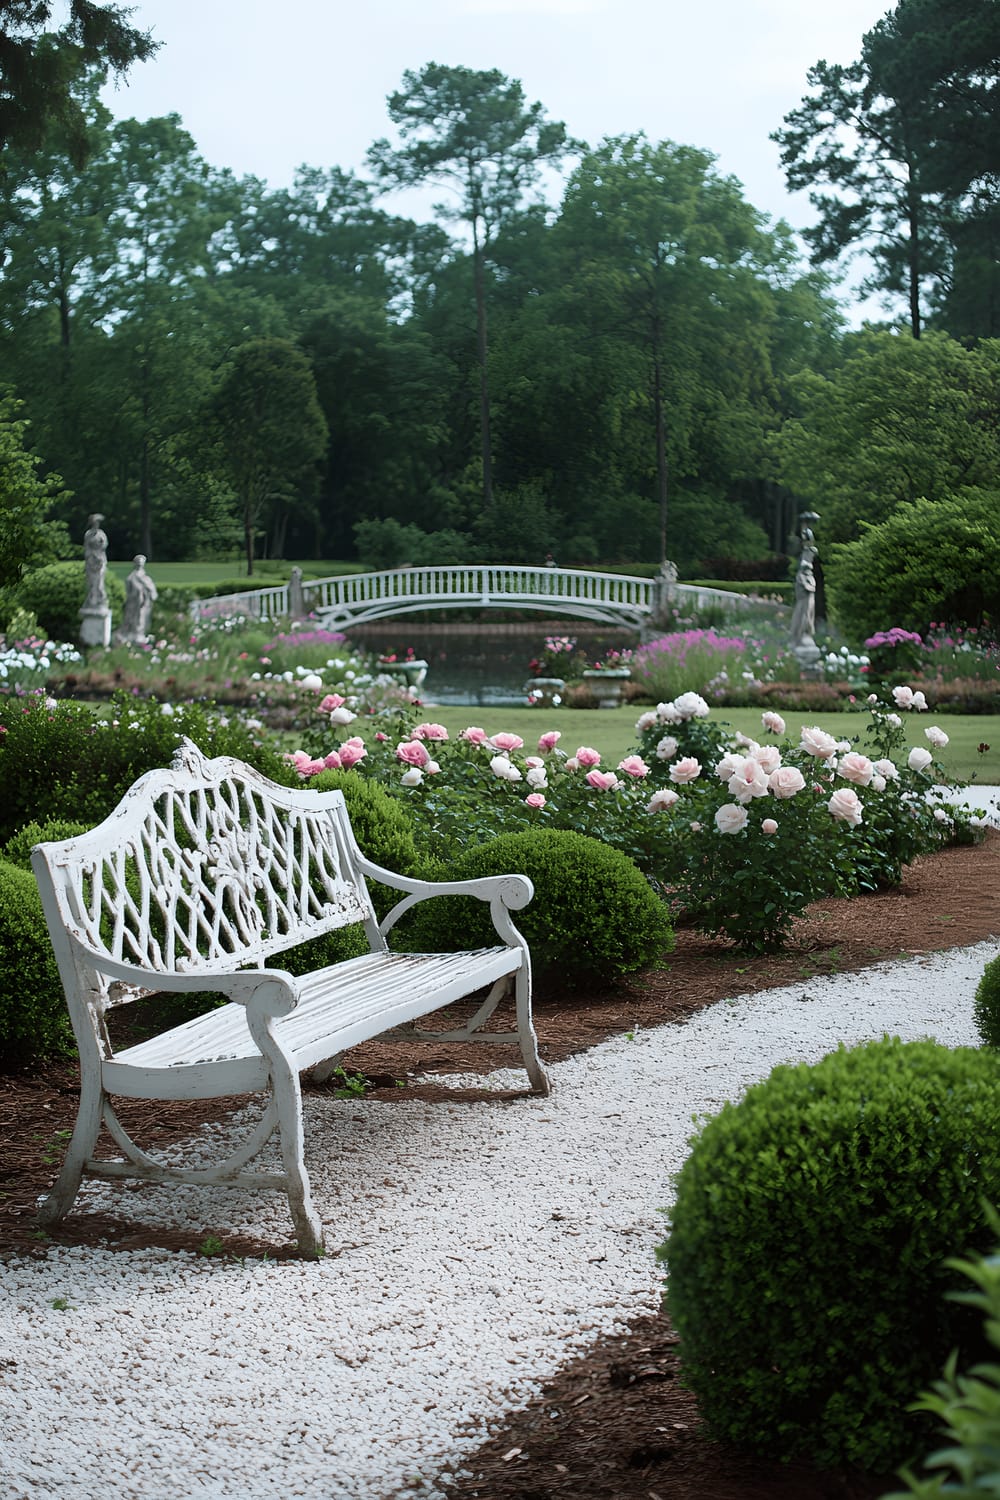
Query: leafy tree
pixel 271 433
pixel 928 561
pixel 471 131
pixel 28 538
pixel 899 420
pixel 39 68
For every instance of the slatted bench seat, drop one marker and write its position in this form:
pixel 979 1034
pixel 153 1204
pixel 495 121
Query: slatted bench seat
pixel 199 878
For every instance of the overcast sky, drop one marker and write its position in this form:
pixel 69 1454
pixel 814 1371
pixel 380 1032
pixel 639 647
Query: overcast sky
pixel 264 87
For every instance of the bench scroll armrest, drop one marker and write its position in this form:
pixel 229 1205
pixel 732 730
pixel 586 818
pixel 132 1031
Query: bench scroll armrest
pixel 505 893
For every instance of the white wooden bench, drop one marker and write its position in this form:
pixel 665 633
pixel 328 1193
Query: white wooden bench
pixel 199 877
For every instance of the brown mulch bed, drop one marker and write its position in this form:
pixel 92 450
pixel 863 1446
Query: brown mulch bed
pixel 617 1423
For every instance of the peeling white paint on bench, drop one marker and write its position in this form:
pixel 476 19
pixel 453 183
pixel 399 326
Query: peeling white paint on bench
pixel 201 875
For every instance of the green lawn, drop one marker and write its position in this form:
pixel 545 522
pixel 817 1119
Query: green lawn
pixel 612 731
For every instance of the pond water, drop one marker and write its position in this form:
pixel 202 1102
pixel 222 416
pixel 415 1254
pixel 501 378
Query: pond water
pixel 481 665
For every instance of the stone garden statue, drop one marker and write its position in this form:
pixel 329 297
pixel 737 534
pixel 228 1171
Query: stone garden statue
pixel 140 596
pixel 803 624
pixel 95 616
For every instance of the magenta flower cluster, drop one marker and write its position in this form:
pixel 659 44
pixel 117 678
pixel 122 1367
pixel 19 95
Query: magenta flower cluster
pixel 897 636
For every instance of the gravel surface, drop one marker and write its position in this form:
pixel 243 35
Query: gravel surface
pixel 474 1248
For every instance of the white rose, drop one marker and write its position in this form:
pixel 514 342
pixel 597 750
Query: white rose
pixel 413 777
pixel 691 706
pixel 845 806
pixel 341 715
pixel 894 721
pixel 729 765
pixel 772 722
pixel 877 783
pixel 902 697
pixel 919 702
pixel 816 741
pixel 768 757
pixel 667 748
pixel 666 713
pixel 661 800
pixel 919 758
pixel 537 778
pixel 856 768
pixel 937 737
pixel 750 781
pixel 887 768
pixel 786 781
pixel 731 818
pixel 646 721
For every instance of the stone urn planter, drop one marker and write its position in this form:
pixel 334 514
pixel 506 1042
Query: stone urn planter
pixel 606 684
pixel 410 673
pixel 544 692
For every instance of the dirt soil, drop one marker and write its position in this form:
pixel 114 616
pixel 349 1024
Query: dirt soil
pixel 617 1423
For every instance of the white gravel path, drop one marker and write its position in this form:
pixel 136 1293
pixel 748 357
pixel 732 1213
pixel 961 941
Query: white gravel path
pixel 477 1247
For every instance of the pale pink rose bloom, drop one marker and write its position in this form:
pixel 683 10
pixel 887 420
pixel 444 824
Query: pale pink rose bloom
pixel 505 741
pixel 691 706
pixel 786 781
pixel 887 768
pixel 844 747
pixel 330 702
pixel 683 771
pixel 937 737
pixel 667 748
pixel 645 721
pixel 350 755
pixel 634 765
pixel 572 764
pixel 430 732
pixel 333 762
pixel 550 740
pixel 602 781
pixel 536 777
pixel 845 806
pixel 586 756
pixel 667 714
pixel 661 800
pixel 769 826
pixel 535 799
pixel 474 735
pixel 731 818
pixel 772 722
pixel 695 827
pixel 942 816
pixel 856 768
pixel 872 698
pixel 501 766
pixel 768 757
pixel 413 753
pixel 902 697
pixel 894 721
pixel 919 758
pixel 432 768
pixel 749 781
pixel 342 716
pixel 816 741
pixel 533 760
pixel 919 702
pixel 877 783
pixel 380 737
pixel 413 777
pixel 299 759
pixel 729 765
pixel 746 743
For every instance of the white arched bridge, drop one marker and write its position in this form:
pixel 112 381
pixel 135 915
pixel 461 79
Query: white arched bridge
pixel 359 598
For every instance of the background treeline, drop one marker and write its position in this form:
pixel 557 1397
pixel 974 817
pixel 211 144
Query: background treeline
pixel 645 367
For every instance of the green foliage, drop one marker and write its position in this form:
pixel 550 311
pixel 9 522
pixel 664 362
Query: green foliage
pixel 986 1010
pixel 594 915
pixel 27 536
pixel 56 593
pixel 390 544
pixel 967 1406
pixel 807 1241
pixel 689 660
pixel 17 850
pixel 34 1021
pixel 75 766
pixel 927 561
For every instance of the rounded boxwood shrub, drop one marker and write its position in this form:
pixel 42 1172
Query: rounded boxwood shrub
pixel 56 593
pixel 594 915
pixel 807 1246
pixel 986 1010
pixel 17 850
pixel 34 1021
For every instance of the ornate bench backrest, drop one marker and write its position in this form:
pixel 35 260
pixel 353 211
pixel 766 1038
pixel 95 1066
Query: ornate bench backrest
pixel 205 866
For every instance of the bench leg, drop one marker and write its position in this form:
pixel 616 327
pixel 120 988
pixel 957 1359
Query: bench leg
pixel 526 1037
pixel 81 1147
pixel 288 1102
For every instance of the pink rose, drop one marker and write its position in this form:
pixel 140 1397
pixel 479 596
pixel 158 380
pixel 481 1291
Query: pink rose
pixel 769 826
pixel 333 761
pixel 352 751
pixel 380 737
pixel 749 781
pixel 845 806
pixel 586 756
pixel 534 799
pixel 729 765
pixel 786 781
pixel 685 770
pixel 634 765
pixel 474 735
pixel 330 702
pixel 856 768
pixel 661 800
pixel 731 818
pixel 772 722
pixel 505 741
pixel 602 781
pixel 768 757
pixel 816 741
pixel 549 740
pixel 430 732
pixel 919 758
pixel 412 753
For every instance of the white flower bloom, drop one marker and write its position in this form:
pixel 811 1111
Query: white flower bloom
pixel 919 758
pixel 537 778
pixel 413 777
pixel 667 748
pixel 937 737
pixel 887 768
pixel 691 706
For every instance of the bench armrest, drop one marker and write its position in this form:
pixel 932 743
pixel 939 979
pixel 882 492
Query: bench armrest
pixel 505 893
pixel 239 985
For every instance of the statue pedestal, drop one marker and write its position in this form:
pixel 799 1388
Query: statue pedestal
pixel 95 625
pixel 808 655
pixel 606 684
